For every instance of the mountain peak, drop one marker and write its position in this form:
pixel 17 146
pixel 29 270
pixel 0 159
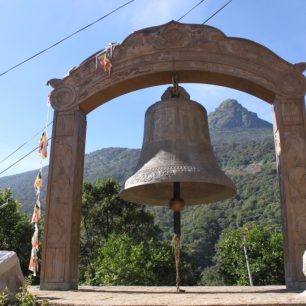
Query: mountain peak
pixel 231 114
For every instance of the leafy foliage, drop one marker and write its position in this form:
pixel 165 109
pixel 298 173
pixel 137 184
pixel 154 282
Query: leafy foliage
pixel 24 297
pixel 15 229
pixel 211 276
pixel 105 215
pixel 120 243
pixel 4 297
pixel 264 249
pixel 121 261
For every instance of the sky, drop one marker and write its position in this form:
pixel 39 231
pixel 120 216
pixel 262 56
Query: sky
pixel 26 27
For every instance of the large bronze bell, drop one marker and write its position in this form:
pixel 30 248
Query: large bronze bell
pixel 176 148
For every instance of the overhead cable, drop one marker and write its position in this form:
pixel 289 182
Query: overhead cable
pixel 216 12
pixel 22 145
pixel 20 159
pixel 65 38
pixel 195 6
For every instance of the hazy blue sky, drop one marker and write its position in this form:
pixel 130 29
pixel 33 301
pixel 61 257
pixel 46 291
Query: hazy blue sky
pixel 29 26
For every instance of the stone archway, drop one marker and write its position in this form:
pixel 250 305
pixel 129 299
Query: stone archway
pixel 197 54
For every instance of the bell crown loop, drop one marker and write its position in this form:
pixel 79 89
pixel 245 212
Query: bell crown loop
pixel 175 92
pixel 173 96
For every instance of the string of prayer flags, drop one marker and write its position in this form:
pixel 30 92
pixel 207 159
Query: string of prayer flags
pixel 33 266
pixel 43 145
pixel 104 57
pixel 105 61
pixel 43 153
pixel 36 212
pixel 38 181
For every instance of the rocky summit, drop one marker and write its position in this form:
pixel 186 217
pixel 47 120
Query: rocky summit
pixel 231 114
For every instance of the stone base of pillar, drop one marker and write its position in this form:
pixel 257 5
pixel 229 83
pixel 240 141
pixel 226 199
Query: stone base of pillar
pixel 296 286
pixel 58 286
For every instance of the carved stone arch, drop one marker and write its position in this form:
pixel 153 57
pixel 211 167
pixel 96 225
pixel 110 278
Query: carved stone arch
pixel 196 54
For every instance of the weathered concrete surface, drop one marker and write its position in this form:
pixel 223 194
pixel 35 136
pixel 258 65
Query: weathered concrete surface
pixel 194 296
pixel 11 276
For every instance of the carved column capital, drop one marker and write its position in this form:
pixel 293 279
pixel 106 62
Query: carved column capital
pixel 292 82
pixel 64 97
pixel 290 110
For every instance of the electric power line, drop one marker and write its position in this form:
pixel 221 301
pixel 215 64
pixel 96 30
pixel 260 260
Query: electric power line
pixel 26 142
pixel 37 54
pixel 216 12
pixel 200 2
pixel 65 38
pixel 20 159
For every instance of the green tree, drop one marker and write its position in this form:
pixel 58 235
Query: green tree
pixel 211 277
pixel 121 261
pixel 265 252
pixel 15 229
pixel 104 214
pixel 120 244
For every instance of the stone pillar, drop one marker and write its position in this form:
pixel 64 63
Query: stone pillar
pixel 290 146
pixel 60 253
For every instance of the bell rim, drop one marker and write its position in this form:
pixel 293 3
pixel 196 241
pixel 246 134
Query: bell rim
pixel 178 173
pixel 228 191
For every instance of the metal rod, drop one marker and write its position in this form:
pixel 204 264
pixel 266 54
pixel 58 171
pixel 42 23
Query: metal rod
pixel 176 189
pixel 177 236
pixel 177 214
pixel 177 223
pixel 247 263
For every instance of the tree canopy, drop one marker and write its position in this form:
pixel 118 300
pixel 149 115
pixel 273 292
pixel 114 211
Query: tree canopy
pixel 121 244
pixel 265 253
pixel 15 229
pixel 121 261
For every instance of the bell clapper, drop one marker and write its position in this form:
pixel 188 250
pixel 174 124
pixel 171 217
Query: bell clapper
pixel 177 204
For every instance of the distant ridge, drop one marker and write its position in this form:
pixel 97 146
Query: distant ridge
pixel 231 114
